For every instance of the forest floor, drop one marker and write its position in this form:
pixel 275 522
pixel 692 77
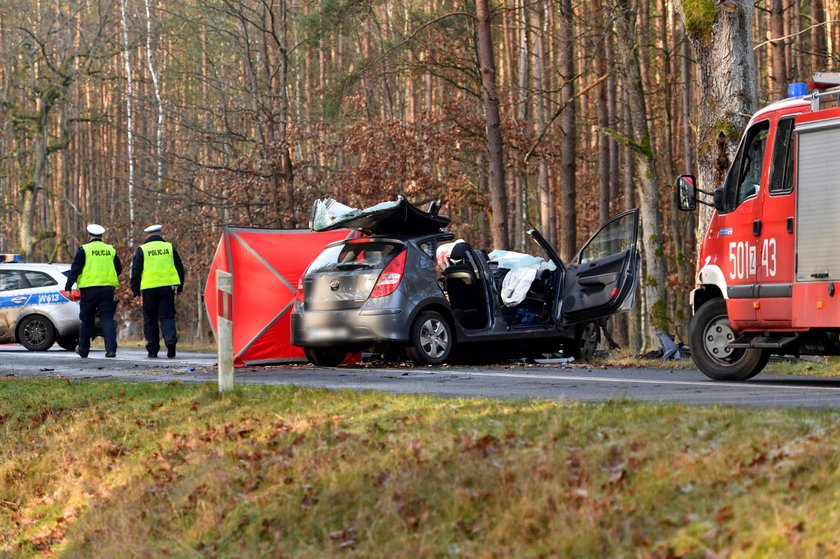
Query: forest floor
pixel 100 469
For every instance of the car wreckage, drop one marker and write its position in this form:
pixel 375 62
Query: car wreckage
pixel 400 284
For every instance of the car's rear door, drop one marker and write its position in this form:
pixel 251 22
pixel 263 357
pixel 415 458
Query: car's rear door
pixel 43 289
pixel 604 275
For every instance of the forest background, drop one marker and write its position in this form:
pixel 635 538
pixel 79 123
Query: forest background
pixel 516 113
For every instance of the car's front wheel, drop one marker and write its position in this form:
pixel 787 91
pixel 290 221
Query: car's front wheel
pixel 36 333
pixel 709 336
pixel 431 339
pixel 325 357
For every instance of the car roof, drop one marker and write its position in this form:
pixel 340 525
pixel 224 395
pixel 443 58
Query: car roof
pixel 37 266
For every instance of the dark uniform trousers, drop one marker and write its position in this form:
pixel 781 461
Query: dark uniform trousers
pixel 97 298
pixel 159 304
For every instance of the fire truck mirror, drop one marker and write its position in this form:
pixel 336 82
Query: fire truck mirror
pixel 686 193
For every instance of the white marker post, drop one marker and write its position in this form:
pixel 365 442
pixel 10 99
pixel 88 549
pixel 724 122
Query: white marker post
pixel 224 322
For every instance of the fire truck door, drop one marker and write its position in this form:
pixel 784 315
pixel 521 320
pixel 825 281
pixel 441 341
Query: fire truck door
pixel 775 244
pixel 740 225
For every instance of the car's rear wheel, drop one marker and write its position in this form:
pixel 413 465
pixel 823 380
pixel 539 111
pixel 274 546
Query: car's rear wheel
pixel 68 342
pixel 36 333
pixel 431 339
pixel 325 357
pixel 585 342
pixel 709 336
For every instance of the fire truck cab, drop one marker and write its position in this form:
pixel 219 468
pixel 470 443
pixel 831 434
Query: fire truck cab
pixel 769 263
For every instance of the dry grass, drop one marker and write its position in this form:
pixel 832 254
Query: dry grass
pixel 110 470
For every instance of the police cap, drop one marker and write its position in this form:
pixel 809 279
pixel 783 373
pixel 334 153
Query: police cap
pixel 153 228
pixel 95 230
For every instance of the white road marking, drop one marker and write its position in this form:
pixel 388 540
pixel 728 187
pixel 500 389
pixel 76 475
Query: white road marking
pixel 124 355
pixel 705 384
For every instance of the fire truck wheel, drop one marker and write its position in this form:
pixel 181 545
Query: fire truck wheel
pixel 709 336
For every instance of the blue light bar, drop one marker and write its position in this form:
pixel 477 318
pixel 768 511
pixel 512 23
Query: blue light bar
pixel 8 257
pixel 797 89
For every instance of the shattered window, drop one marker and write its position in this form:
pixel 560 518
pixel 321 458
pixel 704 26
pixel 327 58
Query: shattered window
pixel 354 255
pixel 428 248
pixel 366 254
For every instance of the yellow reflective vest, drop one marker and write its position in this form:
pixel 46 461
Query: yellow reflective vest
pixel 158 265
pixel 99 266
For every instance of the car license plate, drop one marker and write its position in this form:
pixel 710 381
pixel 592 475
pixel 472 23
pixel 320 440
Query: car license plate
pixel 328 333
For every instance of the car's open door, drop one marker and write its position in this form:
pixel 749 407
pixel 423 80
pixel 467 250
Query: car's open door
pixel 604 275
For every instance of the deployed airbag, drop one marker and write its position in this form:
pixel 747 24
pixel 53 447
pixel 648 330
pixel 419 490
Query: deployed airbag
pixel 516 284
pixel 523 269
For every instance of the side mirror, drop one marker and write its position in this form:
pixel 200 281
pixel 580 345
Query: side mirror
pixel 686 193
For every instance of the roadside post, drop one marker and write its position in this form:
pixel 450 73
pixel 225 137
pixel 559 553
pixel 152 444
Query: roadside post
pixel 224 315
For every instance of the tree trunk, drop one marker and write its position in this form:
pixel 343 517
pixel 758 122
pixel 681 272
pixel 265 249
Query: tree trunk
pixel 33 186
pixel 655 305
pixel 538 81
pixel 603 119
pixel 568 132
pixel 723 48
pixel 490 98
pixel 158 105
pixel 818 46
pixel 777 50
pixel 129 120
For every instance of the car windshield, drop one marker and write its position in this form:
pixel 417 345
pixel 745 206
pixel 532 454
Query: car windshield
pixel 356 254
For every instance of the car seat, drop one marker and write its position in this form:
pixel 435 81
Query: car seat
pixel 466 295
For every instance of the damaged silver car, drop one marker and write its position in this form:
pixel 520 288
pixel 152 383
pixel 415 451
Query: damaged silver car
pixel 402 285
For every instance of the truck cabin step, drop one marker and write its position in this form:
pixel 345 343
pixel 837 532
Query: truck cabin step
pixel 763 342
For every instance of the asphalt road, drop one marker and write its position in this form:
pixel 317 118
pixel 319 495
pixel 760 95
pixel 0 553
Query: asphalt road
pixel 551 381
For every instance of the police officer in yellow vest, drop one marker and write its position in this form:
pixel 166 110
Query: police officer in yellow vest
pixel 95 269
pixel 157 272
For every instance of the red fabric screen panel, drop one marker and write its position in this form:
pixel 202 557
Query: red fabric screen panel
pixel 266 266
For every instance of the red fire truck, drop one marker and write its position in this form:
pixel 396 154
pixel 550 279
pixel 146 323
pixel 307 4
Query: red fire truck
pixel 769 264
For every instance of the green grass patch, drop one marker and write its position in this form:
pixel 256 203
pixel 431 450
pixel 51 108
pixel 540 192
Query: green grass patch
pixel 135 470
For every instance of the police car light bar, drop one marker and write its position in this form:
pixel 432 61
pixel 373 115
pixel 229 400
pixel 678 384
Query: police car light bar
pixel 8 257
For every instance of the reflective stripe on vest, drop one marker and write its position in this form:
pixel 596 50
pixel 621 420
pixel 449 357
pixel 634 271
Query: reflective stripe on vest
pixel 158 265
pixel 99 266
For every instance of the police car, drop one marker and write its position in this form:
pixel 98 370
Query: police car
pixel 35 310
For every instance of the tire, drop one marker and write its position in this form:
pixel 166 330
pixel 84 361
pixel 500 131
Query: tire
pixel 586 340
pixel 36 333
pixel 325 357
pixel 68 343
pixel 708 335
pixel 431 339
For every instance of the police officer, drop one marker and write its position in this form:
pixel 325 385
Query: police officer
pixel 95 269
pixel 157 272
